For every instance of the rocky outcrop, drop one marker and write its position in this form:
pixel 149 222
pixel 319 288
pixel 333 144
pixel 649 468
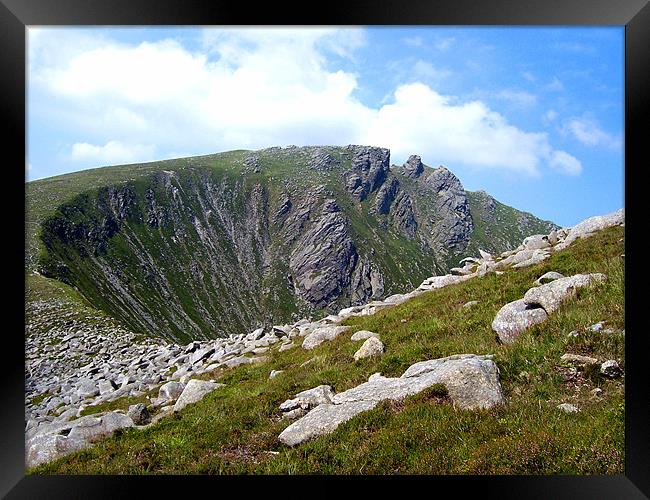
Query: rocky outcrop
pixel 413 167
pixel 472 382
pixel 368 170
pixel 453 224
pixel 324 258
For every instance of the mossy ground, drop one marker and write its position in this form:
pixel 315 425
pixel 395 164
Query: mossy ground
pixel 234 429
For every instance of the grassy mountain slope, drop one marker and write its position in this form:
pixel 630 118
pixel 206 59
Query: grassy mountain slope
pixel 235 428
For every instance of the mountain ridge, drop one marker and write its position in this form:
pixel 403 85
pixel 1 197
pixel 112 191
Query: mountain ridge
pixel 211 245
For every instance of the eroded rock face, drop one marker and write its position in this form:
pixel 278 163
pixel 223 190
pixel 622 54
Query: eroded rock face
pixel 413 167
pixel 472 382
pixel 516 317
pixel 369 168
pixel 454 224
pixel 324 258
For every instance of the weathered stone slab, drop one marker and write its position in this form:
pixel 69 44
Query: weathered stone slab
pixel 194 391
pixel 472 382
pixel 551 295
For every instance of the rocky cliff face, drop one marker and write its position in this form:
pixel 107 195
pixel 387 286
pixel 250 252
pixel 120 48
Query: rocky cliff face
pixel 208 246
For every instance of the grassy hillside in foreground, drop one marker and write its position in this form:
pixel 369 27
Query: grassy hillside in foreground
pixel 235 428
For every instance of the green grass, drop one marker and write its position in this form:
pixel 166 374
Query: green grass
pixel 234 429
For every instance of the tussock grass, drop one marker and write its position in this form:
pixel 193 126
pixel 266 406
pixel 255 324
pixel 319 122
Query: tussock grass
pixel 234 429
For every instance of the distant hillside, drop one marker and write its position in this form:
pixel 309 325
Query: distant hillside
pixel 212 245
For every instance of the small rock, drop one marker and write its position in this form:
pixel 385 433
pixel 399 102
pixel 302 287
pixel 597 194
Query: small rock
pixel 275 373
pixel 363 335
pixel 596 327
pixel 470 303
pixel 171 391
pixel 371 347
pixel 573 333
pixel 139 414
pixel 578 359
pixel 596 392
pixel 567 408
pixel 611 369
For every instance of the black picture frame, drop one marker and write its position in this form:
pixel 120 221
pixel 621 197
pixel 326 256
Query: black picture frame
pixel 16 15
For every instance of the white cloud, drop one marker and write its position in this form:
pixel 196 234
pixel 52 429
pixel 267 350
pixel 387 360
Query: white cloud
pixel 413 41
pixel 267 87
pixel 555 86
pixel 423 121
pixel 565 163
pixel 426 70
pixel 519 98
pixel 444 44
pixel 550 115
pixel 589 133
pixel 113 152
pixel 529 76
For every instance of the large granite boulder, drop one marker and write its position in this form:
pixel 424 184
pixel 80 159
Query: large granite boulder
pixel 472 382
pixel 516 317
pixel 194 391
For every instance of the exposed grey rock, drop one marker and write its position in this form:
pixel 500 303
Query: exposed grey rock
pixel 93 429
pixel 371 347
pixel 413 167
pixel 308 399
pixel 454 224
pixel 589 226
pixel 548 277
pixel 472 382
pixel 436 282
pixel 536 241
pixel 320 335
pixel 139 414
pixel 596 327
pixel 578 359
pixel 567 408
pixel 286 347
pixel 45 448
pixel 363 335
pixel 516 317
pixel 470 303
pixel 611 369
pixel 551 295
pixel 322 420
pixel 275 373
pixel 201 354
pixel 324 257
pixel 194 391
pixel 171 391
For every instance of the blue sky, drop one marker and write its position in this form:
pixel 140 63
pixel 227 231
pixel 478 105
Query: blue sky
pixel 533 116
